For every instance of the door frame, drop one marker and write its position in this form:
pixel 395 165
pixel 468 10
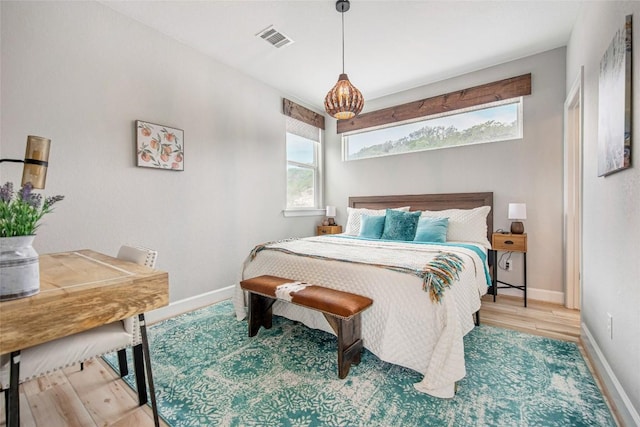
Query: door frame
pixel 572 190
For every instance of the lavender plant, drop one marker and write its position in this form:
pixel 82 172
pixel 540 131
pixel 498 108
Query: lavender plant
pixel 20 213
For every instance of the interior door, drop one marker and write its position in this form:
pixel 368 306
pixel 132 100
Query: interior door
pixel 573 194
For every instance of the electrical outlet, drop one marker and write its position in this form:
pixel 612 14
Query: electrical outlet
pixel 509 265
pixel 610 325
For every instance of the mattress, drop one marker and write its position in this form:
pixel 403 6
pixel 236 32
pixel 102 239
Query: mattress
pixel 404 326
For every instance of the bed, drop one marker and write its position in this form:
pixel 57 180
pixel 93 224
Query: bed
pixel 417 320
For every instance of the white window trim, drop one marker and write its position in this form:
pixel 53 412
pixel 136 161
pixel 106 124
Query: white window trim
pixel 318 184
pixel 303 212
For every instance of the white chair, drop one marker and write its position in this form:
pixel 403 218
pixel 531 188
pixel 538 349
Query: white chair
pixel 63 352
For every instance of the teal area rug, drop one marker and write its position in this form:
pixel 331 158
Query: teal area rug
pixel 208 372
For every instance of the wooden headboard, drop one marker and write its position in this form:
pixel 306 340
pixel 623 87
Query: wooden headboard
pixel 431 202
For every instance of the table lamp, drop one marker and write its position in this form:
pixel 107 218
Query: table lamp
pixel 36 161
pixel 517 212
pixel 331 214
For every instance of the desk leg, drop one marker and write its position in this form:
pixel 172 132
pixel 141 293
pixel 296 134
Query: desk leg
pixel 495 275
pixel 122 363
pixel 11 396
pixel 525 278
pixel 147 360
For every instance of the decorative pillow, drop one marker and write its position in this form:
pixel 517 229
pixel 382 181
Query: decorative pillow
pixel 432 230
pixel 400 225
pixel 354 216
pixel 371 227
pixel 465 225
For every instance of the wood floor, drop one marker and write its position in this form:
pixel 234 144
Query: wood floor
pixel 538 318
pixel 97 397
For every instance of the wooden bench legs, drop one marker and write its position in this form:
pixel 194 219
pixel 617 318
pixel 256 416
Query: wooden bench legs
pixel 349 331
pixel 260 313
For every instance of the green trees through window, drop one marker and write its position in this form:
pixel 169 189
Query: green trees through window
pixel 300 187
pixel 303 165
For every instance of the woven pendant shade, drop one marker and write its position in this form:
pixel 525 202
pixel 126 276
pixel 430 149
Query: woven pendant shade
pixel 344 100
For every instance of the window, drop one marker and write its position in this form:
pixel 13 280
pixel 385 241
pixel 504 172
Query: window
pixel 303 165
pixel 498 121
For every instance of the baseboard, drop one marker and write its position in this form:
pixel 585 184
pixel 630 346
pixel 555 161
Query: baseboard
pixel 621 403
pixel 189 304
pixel 537 294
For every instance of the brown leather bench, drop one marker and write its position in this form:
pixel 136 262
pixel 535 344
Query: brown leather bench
pixel 341 309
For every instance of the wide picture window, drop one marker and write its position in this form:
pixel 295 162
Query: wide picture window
pixel 498 121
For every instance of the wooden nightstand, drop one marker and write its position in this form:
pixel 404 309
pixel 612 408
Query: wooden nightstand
pixel 508 243
pixel 328 229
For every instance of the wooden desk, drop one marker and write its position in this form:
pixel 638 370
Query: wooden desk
pixel 80 290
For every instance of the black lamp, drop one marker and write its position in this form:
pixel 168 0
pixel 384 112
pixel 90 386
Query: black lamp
pixel 36 161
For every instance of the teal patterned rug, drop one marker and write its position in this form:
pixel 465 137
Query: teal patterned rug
pixel 207 372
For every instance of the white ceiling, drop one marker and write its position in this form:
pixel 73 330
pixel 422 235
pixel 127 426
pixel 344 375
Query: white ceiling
pixel 390 45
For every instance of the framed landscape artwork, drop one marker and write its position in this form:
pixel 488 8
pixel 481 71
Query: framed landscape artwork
pixel 159 146
pixel 614 107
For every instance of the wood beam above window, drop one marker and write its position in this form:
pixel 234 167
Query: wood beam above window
pixel 298 112
pixel 478 95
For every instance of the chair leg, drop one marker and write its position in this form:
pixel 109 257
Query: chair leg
pixel 11 397
pixel 122 362
pixel 138 365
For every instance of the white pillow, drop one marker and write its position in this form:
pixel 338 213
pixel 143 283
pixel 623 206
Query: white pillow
pixel 465 225
pixel 354 217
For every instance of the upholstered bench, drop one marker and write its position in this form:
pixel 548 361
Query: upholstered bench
pixel 341 309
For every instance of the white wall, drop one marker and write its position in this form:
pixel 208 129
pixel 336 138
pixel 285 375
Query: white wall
pixel 527 170
pixel 611 214
pixel 81 74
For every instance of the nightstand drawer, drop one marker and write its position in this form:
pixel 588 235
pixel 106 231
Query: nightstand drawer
pixel 509 242
pixel 328 229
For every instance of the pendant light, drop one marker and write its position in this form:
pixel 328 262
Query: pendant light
pixel 344 100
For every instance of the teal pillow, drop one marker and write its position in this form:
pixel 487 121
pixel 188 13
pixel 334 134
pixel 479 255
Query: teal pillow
pixel 400 225
pixel 371 226
pixel 432 230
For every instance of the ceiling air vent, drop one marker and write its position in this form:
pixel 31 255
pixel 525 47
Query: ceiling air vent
pixel 274 37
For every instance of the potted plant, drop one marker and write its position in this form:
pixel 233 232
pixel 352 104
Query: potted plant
pixel 20 215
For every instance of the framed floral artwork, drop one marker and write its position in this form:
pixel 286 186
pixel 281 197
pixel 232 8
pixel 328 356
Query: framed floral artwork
pixel 159 146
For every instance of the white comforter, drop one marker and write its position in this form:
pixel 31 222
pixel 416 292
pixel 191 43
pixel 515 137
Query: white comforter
pixel 403 326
